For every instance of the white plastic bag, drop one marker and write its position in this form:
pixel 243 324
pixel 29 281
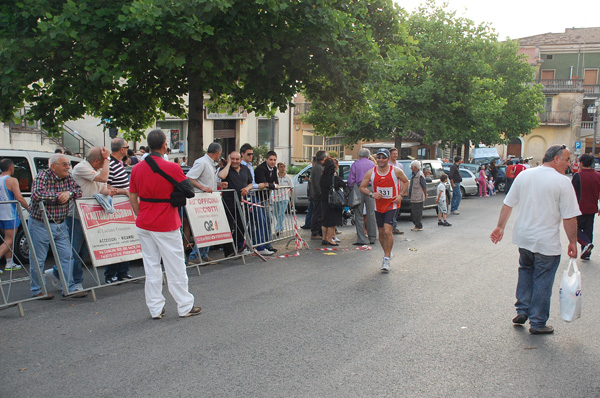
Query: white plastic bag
pixel 570 293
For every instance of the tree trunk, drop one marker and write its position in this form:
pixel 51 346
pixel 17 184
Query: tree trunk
pixel 467 145
pixel 195 121
pixel 398 144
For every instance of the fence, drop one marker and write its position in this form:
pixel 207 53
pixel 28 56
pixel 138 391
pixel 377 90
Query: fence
pixel 262 217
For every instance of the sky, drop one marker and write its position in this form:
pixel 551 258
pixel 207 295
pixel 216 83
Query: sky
pixel 522 18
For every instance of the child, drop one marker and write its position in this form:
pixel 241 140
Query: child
pixel 441 201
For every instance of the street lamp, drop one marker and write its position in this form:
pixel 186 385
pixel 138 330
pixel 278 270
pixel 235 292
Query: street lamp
pixel 593 110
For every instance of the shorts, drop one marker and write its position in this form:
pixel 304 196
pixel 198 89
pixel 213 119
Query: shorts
pixel 385 218
pixel 442 207
pixel 10 224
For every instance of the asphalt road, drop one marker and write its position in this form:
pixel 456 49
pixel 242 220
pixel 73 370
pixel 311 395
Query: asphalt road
pixel 324 324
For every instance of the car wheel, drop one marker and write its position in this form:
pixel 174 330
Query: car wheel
pixel 21 247
pixel 463 193
pixel 501 186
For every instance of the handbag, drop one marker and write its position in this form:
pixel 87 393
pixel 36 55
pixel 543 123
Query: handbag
pixel 570 293
pixel 353 199
pixel 337 197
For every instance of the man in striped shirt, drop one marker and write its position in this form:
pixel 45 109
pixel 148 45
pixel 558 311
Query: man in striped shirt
pixel 118 179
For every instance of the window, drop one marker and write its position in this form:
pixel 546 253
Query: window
pixel 343 171
pixel 23 173
pixel 264 132
pixel 549 56
pixel 423 153
pixel 314 143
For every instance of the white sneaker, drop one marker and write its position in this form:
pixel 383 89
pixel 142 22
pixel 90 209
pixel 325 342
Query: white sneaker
pixel 49 273
pixel 245 252
pixel 385 265
pixel 266 252
pixel 335 239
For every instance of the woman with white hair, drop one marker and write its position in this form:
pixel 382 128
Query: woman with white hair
pixel 417 192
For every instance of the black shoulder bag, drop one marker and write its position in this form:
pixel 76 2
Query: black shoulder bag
pixel 337 198
pixel 183 189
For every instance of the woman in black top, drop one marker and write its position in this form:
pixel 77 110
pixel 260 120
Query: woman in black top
pixel 331 216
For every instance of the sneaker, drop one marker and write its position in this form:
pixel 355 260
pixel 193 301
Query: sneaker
pixel 111 280
pixel 193 311
pixel 123 277
pixel 272 249
pixel 440 222
pixel 456 213
pixel 49 273
pixel 11 266
pixel 245 252
pixel 396 231
pixel 542 330
pixel 385 264
pixel 416 229
pixel 335 239
pixel 265 252
pixel 586 252
pixel 446 224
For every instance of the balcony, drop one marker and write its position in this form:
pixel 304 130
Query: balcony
pixel 591 89
pixel 561 118
pixel 561 85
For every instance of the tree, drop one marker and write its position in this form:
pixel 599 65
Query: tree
pixel 129 62
pixel 461 84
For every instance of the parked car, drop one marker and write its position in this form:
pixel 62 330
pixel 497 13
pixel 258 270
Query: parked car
pixel 300 181
pixel 27 166
pixel 432 169
pixel 469 184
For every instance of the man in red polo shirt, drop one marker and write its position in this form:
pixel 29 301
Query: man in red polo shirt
pixel 158 224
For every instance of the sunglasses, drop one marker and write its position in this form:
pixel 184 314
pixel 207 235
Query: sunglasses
pixel 558 150
pixel 381 157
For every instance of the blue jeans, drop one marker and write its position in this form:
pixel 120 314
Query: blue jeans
pixel 79 249
pixel 534 288
pixel 456 197
pixel 280 208
pixel 203 251
pixel 119 270
pixel 40 241
pixel 308 218
pixel 261 226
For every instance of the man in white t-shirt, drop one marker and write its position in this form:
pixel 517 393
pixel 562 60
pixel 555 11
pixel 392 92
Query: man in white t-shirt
pixel 545 197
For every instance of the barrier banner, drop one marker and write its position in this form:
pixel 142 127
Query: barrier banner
pixel 111 238
pixel 208 219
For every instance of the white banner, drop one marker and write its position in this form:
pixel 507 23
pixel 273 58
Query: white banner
pixel 111 238
pixel 208 220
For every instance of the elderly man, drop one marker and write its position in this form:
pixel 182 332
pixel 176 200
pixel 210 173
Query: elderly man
pixel 9 219
pixel 238 178
pixel 92 176
pixel 55 188
pixel 158 223
pixel 355 177
pixel 545 198
pixel 417 193
pixel 203 175
pixel 119 180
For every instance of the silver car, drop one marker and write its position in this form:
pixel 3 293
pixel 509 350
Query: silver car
pixel 469 184
pixel 300 181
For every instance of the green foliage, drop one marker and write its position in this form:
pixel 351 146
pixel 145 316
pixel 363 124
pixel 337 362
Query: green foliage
pixel 295 169
pixel 333 154
pixel 260 154
pixel 450 80
pixel 130 62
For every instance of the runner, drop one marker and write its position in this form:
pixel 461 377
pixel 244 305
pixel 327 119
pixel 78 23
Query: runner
pixel 385 180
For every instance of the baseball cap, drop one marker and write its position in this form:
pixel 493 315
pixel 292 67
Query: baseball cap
pixel 384 152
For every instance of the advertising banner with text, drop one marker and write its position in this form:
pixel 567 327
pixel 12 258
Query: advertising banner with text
pixel 111 238
pixel 208 220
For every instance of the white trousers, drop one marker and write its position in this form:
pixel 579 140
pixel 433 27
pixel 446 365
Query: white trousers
pixel 169 247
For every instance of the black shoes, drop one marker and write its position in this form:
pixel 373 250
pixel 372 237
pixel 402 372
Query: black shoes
pixel 543 330
pixel 359 244
pixel 305 227
pixel 111 280
pixel 520 319
pixel 123 277
pixel 587 251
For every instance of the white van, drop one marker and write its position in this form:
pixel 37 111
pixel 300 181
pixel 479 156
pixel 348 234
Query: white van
pixel 27 166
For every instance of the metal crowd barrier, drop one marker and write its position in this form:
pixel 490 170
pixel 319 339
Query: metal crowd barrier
pixel 237 225
pixel 12 280
pixel 271 215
